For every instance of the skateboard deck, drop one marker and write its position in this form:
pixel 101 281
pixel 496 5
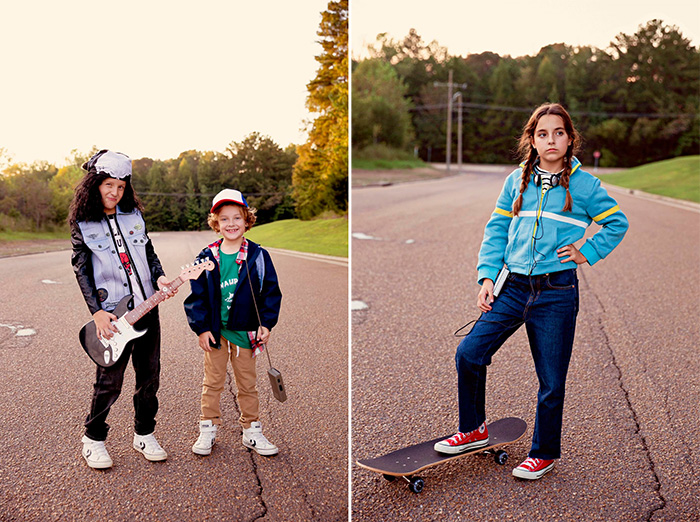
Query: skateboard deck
pixel 412 459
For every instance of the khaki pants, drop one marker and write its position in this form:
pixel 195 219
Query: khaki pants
pixel 215 363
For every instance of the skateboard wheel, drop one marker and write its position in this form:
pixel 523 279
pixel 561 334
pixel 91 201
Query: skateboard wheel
pixel 416 485
pixel 501 457
pixel 390 478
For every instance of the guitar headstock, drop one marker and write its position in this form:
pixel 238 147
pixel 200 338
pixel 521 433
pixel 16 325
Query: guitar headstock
pixel 195 270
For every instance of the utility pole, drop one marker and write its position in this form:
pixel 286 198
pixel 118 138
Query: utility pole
pixel 448 154
pixel 458 94
pixel 448 144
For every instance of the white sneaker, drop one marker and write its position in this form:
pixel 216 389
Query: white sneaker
pixel 148 445
pixel 207 437
pixel 254 439
pixel 95 453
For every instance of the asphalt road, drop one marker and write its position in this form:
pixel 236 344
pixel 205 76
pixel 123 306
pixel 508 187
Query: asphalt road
pixel 631 428
pixel 47 383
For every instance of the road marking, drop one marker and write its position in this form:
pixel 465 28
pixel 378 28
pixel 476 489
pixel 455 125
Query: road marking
pixel 49 282
pixel 358 305
pixel 19 330
pixel 362 235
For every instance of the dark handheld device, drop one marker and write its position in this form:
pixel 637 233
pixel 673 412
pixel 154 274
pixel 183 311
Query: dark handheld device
pixel 278 389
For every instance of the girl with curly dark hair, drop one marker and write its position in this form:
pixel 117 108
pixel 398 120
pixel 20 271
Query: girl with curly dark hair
pixel 113 258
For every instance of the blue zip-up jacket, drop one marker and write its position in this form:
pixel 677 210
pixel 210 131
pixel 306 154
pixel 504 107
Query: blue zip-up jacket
pixel 528 243
pixel 203 305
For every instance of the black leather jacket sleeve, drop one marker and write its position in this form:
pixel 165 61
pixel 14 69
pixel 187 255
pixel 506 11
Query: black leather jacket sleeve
pixel 153 263
pixel 81 259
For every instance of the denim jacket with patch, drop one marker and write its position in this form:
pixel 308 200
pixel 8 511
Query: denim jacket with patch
pixel 101 276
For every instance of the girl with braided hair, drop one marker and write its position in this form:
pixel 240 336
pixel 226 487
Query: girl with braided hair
pixel 545 207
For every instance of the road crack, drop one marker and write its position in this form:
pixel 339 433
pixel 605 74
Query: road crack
pixel 304 494
pixel 637 429
pixel 254 464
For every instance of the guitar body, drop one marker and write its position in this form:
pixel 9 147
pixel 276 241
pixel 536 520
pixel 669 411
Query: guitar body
pixel 106 352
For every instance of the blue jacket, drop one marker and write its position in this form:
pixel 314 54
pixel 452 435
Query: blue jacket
pixel 528 243
pixel 203 305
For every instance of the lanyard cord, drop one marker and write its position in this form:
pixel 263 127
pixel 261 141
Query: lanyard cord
pixel 250 282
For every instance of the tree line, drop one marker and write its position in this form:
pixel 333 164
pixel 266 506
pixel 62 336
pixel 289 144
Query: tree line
pixel 176 193
pixel 636 101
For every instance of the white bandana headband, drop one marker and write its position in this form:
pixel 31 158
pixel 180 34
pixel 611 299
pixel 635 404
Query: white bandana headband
pixel 114 164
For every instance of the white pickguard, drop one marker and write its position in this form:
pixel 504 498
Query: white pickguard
pixel 120 339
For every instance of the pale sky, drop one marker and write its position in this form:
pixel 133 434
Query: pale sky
pixel 153 78
pixel 515 28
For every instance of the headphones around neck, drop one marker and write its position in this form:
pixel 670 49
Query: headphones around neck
pixel 537 178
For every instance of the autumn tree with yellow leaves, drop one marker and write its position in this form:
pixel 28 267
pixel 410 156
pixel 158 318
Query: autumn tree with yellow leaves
pixel 320 176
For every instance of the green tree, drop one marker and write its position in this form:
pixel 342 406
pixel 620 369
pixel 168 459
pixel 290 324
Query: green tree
pixel 380 113
pixel 193 211
pixel 660 68
pixel 27 194
pixel 259 168
pixel 158 210
pixel 62 187
pixel 611 136
pixel 320 176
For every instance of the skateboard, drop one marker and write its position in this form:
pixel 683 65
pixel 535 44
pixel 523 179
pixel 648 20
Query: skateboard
pixel 406 462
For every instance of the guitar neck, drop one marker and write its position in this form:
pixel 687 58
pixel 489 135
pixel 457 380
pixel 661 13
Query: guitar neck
pixel 150 303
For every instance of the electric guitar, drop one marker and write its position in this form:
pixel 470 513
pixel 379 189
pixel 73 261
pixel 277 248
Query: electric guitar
pixel 106 352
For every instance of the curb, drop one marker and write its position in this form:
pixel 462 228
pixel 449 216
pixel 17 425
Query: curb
pixel 336 260
pixel 680 203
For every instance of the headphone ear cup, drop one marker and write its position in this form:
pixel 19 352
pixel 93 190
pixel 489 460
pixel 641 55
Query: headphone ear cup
pixel 537 178
pixel 555 180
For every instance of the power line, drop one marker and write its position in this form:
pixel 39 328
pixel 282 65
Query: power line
pixel 483 106
pixel 202 195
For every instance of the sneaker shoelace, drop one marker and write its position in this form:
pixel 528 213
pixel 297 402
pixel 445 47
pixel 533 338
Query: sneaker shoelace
pixel 151 444
pixel 531 463
pixel 260 439
pixel 98 451
pixel 207 435
pixel 457 439
pixel 460 437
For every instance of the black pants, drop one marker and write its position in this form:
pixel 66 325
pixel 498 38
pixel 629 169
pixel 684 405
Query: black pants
pixel 145 356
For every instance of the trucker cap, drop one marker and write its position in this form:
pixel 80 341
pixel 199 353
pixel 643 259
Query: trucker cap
pixel 228 196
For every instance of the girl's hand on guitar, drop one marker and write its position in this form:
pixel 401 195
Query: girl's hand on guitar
pixel 103 324
pixel 204 340
pixel 164 285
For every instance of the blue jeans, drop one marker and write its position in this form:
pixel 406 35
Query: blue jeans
pixel 547 305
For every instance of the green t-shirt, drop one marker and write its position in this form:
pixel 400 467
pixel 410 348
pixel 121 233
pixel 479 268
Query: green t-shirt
pixel 229 281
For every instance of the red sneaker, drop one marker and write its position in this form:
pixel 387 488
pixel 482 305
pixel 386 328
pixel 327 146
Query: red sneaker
pixel 532 469
pixel 461 442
